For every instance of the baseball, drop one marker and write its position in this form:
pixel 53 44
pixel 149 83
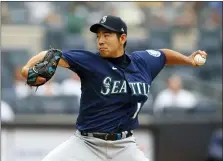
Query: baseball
pixel 199 60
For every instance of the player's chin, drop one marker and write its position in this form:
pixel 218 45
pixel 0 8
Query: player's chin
pixel 104 54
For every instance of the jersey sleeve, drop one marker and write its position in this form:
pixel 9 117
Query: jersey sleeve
pixel 76 59
pixel 154 61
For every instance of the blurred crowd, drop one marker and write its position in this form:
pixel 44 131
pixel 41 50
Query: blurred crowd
pixel 215 146
pixel 73 16
pixel 182 26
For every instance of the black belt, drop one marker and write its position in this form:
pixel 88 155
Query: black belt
pixel 109 136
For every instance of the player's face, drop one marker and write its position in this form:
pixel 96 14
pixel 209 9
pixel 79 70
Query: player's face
pixel 108 43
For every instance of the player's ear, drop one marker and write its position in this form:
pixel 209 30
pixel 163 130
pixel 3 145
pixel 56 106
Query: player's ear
pixel 123 38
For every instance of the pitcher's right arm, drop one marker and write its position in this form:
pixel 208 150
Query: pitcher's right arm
pixel 37 58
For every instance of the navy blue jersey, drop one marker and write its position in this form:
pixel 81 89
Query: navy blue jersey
pixel 112 96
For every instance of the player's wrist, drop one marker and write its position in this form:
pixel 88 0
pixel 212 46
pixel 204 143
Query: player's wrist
pixel 189 61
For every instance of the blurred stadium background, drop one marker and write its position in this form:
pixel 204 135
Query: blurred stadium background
pixel 30 27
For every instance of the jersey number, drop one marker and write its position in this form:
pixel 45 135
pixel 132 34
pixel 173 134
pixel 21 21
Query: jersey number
pixel 139 105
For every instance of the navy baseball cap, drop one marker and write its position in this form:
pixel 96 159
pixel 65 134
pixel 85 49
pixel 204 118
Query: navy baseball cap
pixel 112 23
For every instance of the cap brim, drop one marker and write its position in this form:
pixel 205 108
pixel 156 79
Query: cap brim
pixel 94 28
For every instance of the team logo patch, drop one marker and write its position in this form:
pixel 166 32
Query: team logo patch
pixel 154 53
pixel 103 19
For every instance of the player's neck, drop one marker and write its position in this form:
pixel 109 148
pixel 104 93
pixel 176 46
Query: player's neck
pixel 122 60
pixel 118 53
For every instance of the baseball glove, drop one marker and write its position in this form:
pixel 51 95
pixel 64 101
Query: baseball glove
pixel 44 68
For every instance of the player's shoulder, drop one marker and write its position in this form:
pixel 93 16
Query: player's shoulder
pixel 146 54
pixel 152 52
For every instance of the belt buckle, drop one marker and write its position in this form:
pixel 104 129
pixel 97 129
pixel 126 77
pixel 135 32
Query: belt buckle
pixel 84 133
